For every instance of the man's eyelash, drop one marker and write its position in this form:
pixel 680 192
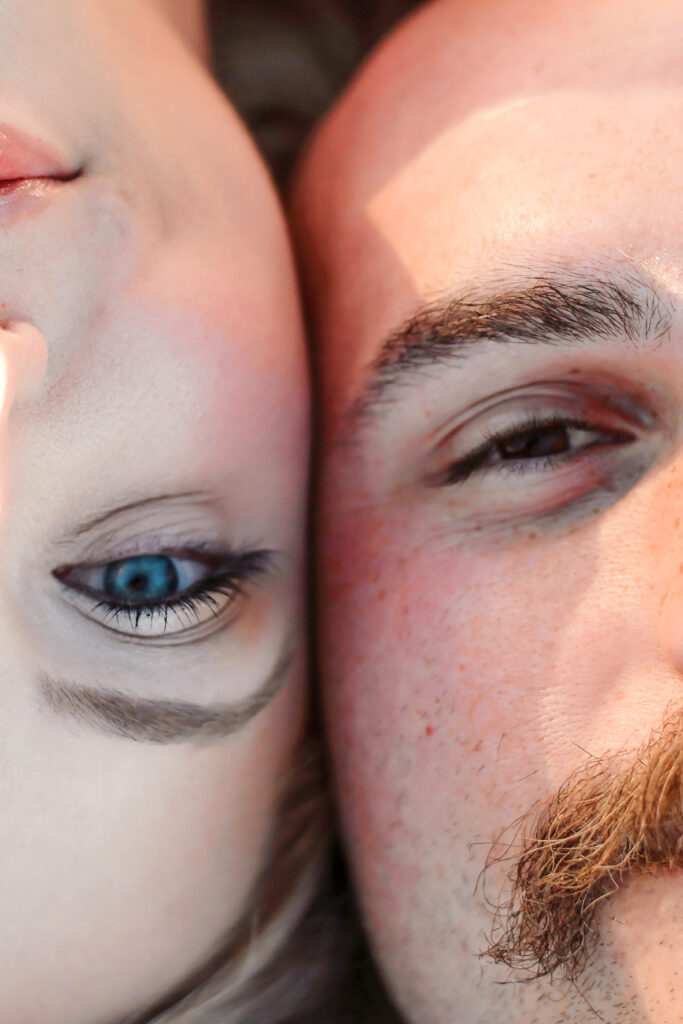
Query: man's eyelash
pixel 462 469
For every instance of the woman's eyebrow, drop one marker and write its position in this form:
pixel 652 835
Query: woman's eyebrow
pixel 160 721
pixel 555 308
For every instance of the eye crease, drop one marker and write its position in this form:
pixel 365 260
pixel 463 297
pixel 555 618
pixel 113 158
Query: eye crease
pixel 164 593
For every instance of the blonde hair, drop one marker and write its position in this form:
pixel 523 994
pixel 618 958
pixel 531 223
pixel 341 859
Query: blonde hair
pixel 282 964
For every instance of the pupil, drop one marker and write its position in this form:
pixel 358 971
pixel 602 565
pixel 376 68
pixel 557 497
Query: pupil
pixel 145 579
pixel 535 444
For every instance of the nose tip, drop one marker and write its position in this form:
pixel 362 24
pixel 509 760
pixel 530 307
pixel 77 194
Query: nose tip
pixel 23 358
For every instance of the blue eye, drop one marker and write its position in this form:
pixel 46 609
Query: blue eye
pixel 146 578
pixel 155 595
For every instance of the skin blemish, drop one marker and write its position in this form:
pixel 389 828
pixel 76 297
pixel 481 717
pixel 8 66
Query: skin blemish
pixel 429 731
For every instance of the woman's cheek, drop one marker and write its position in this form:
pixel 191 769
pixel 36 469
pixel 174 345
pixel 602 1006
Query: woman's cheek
pixel 165 844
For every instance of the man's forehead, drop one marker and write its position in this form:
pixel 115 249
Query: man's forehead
pixel 480 134
pixel 454 59
pixel 535 175
pixel 534 182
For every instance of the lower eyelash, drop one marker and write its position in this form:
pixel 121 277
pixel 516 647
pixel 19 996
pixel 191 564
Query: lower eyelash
pixel 538 464
pixel 243 568
pixel 191 600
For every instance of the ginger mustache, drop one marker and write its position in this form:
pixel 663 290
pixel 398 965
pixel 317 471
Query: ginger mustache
pixel 616 816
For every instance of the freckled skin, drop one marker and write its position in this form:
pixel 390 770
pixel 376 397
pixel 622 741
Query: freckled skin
pixel 466 669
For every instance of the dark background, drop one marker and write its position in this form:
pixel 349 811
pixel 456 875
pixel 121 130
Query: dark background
pixel 283 62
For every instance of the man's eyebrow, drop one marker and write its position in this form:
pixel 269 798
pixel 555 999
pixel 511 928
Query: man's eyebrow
pixel 552 309
pixel 160 721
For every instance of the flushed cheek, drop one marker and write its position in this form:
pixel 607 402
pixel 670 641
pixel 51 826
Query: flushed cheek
pixel 425 640
pixel 419 680
pixel 463 683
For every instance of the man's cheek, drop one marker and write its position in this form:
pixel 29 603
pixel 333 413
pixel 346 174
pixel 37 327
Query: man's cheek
pixel 463 683
pixel 426 669
pixel 429 632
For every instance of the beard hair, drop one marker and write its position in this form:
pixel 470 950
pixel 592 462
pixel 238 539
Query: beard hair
pixel 616 816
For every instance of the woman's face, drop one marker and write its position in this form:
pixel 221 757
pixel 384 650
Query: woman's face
pixel 153 439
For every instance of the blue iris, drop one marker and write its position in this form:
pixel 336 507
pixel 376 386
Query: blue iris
pixel 146 579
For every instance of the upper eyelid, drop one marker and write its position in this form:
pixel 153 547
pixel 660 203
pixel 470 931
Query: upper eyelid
pixel 202 554
pixel 605 400
pixel 473 460
pixel 518 421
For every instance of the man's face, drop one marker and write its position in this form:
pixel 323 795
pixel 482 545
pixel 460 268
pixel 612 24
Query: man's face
pixel 153 456
pixel 492 224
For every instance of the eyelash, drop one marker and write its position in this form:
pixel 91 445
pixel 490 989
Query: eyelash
pixel 459 471
pixel 231 582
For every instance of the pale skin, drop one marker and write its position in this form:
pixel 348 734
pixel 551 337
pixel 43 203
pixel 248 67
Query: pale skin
pixel 482 632
pixel 151 362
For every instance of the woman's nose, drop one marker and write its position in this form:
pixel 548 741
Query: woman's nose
pixel 23 358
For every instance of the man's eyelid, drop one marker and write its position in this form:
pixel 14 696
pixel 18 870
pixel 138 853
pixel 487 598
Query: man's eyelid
pixel 570 398
pixel 444 464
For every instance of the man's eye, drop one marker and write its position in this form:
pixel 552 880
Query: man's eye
pixel 532 446
pixel 543 440
pixel 157 595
